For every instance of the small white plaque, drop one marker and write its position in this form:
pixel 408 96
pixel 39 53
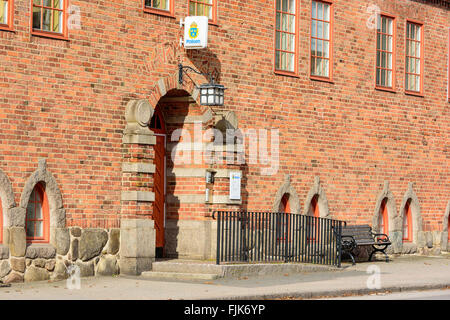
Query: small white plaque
pixel 235 185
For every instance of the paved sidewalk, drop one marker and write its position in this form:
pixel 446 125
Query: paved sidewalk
pixel 401 274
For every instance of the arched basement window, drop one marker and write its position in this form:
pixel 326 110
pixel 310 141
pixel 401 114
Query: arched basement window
pixel 37 217
pixel 383 217
pixel 407 222
pixel 315 206
pixel 283 218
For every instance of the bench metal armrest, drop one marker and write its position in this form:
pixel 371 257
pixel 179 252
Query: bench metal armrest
pixel 381 237
pixel 348 243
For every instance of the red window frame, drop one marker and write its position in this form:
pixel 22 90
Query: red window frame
pixel 448 67
pixel 417 23
pixel 9 25
pixel 162 12
pixel 213 6
pixel 56 35
pixel 285 208
pixel 296 40
pixel 314 209
pixel 383 218
pixel 408 225
pixel 393 52
pixel 38 188
pixel 330 41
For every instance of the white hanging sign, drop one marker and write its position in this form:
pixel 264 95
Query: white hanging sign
pixel 196 32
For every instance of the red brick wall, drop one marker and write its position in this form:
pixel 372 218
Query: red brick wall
pixel 65 100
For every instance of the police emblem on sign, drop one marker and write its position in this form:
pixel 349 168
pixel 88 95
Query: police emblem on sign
pixel 193 31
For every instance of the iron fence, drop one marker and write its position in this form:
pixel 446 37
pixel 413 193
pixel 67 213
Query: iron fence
pixel 277 237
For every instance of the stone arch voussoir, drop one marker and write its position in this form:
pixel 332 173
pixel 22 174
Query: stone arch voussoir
pixel 287 188
pixel 318 190
pixel 57 212
pixel 415 210
pixel 7 198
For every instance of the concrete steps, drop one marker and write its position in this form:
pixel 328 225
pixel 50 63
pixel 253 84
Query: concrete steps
pixel 184 270
pixel 207 270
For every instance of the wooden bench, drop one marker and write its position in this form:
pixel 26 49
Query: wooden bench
pixel 362 235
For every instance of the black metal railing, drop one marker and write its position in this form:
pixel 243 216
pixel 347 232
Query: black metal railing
pixel 277 237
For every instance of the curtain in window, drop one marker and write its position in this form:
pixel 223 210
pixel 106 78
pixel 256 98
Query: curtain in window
pixel 201 8
pixel 3 11
pixel 157 4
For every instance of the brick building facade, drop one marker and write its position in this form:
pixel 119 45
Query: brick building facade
pixel 76 106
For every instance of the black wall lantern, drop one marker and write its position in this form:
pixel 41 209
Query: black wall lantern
pixel 211 94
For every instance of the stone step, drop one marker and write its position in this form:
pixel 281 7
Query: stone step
pixel 187 267
pixel 179 275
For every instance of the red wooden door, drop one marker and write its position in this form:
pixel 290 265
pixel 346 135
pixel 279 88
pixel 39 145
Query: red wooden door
pixel 159 182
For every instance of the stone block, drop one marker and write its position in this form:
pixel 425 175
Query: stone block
pixel 39 262
pixel 421 239
pixel 107 266
pixel 18 264
pixel 36 274
pixel 60 271
pixel 4 252
pixel 137 238
pixel 74 250
pixel 114 241
pixel 13 277
pixel 429 239
pixel 436 238
pixel 17 241
pixel 86 268
pixel 61 240
pixel 50 264
pixel 135 266
pixel 44 251
pixel 75 231
pixel 91 243
pixel 5 268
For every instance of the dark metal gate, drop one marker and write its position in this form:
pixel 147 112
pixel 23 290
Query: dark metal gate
pixel 277 237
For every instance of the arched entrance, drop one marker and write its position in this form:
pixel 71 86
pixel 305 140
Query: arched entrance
pixel 157 125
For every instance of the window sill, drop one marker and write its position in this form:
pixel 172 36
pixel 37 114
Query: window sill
pixel 159 12
pixel 392 90
pixel 286 73
pixel 43 34
pixel 6 28
pixel 414 93
pixel 322 79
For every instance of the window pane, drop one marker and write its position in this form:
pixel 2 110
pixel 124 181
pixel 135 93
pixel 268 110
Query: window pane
pixel 3 12
pixel 58 4
pixel 192 9
pixel 389 78
pixel 48 3
pixel 314 10
pixel 326 49
pixel 325 68
pixel 36 18
pixel 277 40
pixel 284 6
pixel 320 11
pixel 57 21
pixel 39 229
pixel 326 31
pixel 326 14
pixel 46 20
pixel 314 28
pixel 30 228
